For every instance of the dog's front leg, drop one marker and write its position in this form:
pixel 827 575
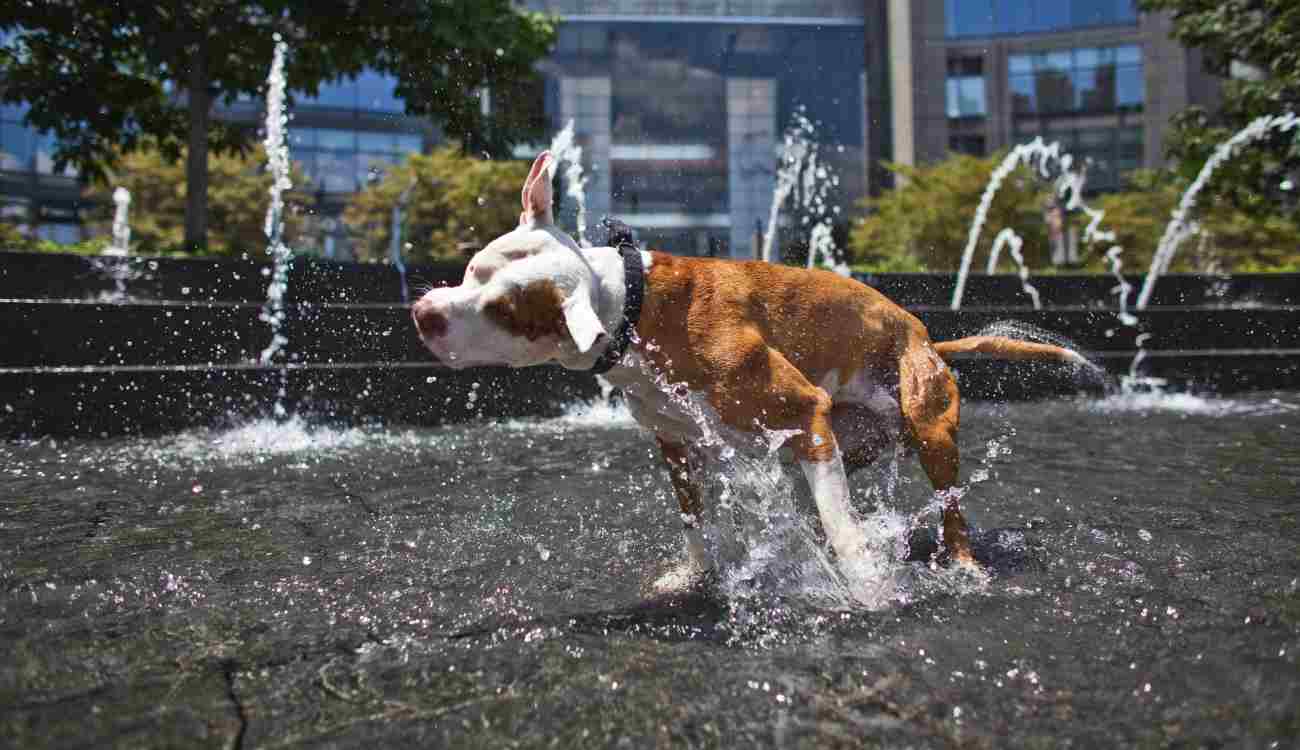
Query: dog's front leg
pixel 762 385
pixel 830 490
pixel 676 456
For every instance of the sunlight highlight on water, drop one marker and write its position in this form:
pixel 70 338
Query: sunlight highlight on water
pixel 1138 402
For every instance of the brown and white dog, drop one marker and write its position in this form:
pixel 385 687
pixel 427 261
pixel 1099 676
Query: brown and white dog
pixel 764 346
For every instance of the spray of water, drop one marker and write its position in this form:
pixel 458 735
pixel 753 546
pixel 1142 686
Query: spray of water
pixel 1068 183
pixel 789 161
pixel 758 526
pixel 119 269
pixel 121 244
pixel 277 152
pixel 1015 243
pixel 396 247
pixel 801 172
pixel 564 148
pixel 1181 225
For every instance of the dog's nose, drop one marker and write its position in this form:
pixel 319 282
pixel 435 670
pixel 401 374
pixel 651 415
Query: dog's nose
pixel 429 321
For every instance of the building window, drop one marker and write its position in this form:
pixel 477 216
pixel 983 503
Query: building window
pixel 994 17
pixel 1084 80
pixel 966 97
pixel 368 91
pixel 340 161
pixel 1110 153
pixel 965 143
pixel 965 94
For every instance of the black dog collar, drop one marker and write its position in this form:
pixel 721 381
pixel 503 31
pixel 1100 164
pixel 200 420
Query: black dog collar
pixel 634 283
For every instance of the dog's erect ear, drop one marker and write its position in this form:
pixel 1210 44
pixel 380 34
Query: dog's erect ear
pixel 538 194
pixel 584 326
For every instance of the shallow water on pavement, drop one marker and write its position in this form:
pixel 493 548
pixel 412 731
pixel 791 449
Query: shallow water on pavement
pixel 486 584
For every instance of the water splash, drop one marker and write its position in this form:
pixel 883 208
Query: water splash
pixel 1015 243
pixel 794 148
pixel 802 173
pixel 396 247
pixel 566 150
pixel 1069 182
pixel 121 244
pixel 277 153
pixel 757 527
pixel 599 413
pixel 1122 289
pixel 816 187
pixel 1154 400
pixel 1181 225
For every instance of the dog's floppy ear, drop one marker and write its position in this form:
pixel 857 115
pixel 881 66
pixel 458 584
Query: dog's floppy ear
pixel 537 193
pixel 580 317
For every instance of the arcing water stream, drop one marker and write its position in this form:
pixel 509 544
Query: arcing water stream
pixel 1182 225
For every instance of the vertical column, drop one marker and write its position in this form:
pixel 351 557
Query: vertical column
pixel 751 158
pixel 901 80
pixel 586 101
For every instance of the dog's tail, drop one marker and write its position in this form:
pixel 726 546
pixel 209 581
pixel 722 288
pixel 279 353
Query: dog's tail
pixel 1003 347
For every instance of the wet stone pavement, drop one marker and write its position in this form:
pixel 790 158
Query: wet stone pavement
pixel 485 585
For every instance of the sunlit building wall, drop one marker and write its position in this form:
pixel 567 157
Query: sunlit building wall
pixel 1095 75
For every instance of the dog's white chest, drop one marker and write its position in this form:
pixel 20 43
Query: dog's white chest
pixel 670 410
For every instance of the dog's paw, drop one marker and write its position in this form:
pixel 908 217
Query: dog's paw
pixel 682 577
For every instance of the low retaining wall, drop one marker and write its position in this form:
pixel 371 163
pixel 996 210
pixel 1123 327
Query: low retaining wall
pixel 105 346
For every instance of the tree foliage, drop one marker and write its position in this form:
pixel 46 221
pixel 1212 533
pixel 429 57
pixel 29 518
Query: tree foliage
pixel 923 224
pixel 108 77
pixel 237 198
pixel 455 201
pixel 1256 44
pixel 1229 239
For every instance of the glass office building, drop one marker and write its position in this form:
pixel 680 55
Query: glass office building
pixel 341 138
pixel 976 18
pixel 1095 75
pixel 681 108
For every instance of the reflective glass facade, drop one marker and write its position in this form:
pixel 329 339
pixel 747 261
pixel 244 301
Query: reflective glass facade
pixel 338 160
pixel 680 122
pixel 714 8
pixel 1090 99
pixel 1083 80
pixel 967 18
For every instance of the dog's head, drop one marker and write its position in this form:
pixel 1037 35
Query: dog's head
pixel 528 297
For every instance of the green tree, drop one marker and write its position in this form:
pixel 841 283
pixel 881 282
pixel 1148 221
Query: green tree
pixel 455 202
pixel 108 77
pixel 1229 238
pixel 237 199
pixel 1256 45
pixel 923 224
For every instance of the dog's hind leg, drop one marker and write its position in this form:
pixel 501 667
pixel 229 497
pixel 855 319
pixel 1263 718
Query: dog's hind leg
pixel 930 403
pixel 861 435
pixel 677 457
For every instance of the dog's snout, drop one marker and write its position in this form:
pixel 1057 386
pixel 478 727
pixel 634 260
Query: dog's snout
pixel 429 321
